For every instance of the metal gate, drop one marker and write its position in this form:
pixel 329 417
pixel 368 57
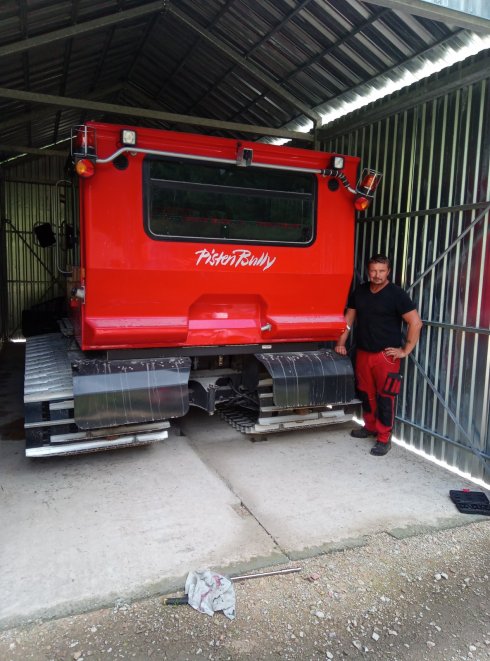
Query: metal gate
pixel 431 217
pixel 34 194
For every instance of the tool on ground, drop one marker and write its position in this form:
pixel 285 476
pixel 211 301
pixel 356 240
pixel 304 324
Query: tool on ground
pixel 177 601
pixel 470 502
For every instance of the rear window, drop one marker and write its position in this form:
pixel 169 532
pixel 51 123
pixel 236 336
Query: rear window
pixel 194 201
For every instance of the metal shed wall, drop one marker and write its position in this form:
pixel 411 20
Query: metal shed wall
pixel 33 193
pixel 431 217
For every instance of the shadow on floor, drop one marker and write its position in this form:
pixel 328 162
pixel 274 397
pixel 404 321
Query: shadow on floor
pixel 11 391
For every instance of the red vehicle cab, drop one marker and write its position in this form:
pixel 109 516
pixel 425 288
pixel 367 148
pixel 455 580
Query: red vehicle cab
pixel 191 247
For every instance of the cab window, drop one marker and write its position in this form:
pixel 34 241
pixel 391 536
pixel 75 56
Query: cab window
pixel 195 201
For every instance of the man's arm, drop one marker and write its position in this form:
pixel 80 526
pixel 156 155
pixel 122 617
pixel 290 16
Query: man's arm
pixel 350 316
pixel 414 323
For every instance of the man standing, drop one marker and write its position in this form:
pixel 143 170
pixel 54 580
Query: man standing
pixel 378 308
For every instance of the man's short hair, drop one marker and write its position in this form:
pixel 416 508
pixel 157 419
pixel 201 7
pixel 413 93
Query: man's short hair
pixel 380 259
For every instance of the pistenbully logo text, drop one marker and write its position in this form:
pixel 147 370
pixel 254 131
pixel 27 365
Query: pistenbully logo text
pixel 236 258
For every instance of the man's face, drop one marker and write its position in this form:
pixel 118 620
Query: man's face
pixel 378 273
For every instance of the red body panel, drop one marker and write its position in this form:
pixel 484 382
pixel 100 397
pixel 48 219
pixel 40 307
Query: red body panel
pixel 141 292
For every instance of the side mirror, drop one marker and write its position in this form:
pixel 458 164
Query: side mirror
pixel 67 236
pixel 44 235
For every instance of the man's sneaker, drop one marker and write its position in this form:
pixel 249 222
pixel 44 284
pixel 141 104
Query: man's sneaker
pixel 362 432
pixel 381 448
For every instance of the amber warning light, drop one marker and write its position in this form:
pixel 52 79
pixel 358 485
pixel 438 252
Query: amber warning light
pixel 84 150
pixel 85 168
pixel 366 188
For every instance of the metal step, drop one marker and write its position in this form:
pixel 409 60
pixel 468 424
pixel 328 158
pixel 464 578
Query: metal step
pixel 82 447
pixel 139 432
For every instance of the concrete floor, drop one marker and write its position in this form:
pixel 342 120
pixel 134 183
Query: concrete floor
pixel 81 532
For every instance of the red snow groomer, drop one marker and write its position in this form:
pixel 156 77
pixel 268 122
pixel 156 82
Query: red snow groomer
pixel 212 273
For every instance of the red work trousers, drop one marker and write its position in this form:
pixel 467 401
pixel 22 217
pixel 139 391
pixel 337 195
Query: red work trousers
pixel 373 372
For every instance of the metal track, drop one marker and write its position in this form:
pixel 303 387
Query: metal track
pixel 271 419
pixel 47 369
pixel 49 410
pixel 248 424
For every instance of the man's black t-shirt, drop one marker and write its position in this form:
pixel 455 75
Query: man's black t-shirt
pixel 378 316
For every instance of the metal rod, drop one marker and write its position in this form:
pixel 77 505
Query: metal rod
pixel 432 432
pixel 180 601
pixel 424 212
pixel 456 241
pixel 267 573
pixel 458 327
pixel 59 223
pixel 209 159
pixel 441 400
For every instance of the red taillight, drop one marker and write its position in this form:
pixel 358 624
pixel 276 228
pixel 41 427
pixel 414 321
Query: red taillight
pixel 361 203
pixel 85 167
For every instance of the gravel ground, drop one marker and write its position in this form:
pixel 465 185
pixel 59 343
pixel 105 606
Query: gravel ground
pixel 422 598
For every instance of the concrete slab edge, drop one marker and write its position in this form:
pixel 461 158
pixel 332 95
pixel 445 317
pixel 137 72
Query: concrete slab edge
pixel 330 547
pixel 166 586
pixel 398 533
pixel 441 524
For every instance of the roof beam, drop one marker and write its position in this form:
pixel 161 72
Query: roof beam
pixel 38 114
pixel 15 149
pixel 243 62
pixel 468 14
pixel 113 109
pixel 82 28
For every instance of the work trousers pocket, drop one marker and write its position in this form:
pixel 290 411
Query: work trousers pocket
pixel 392 384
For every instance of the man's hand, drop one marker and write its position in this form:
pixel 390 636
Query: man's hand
pixel 395 353
pixel 350 316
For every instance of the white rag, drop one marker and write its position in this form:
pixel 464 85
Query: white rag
pixel 209 592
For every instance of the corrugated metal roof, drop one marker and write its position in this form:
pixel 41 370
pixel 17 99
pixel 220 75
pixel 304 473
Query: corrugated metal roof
pixel 261 62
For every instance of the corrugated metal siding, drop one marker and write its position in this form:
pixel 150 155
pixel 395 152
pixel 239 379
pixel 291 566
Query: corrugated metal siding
pixel 31 197
pixel 431 216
